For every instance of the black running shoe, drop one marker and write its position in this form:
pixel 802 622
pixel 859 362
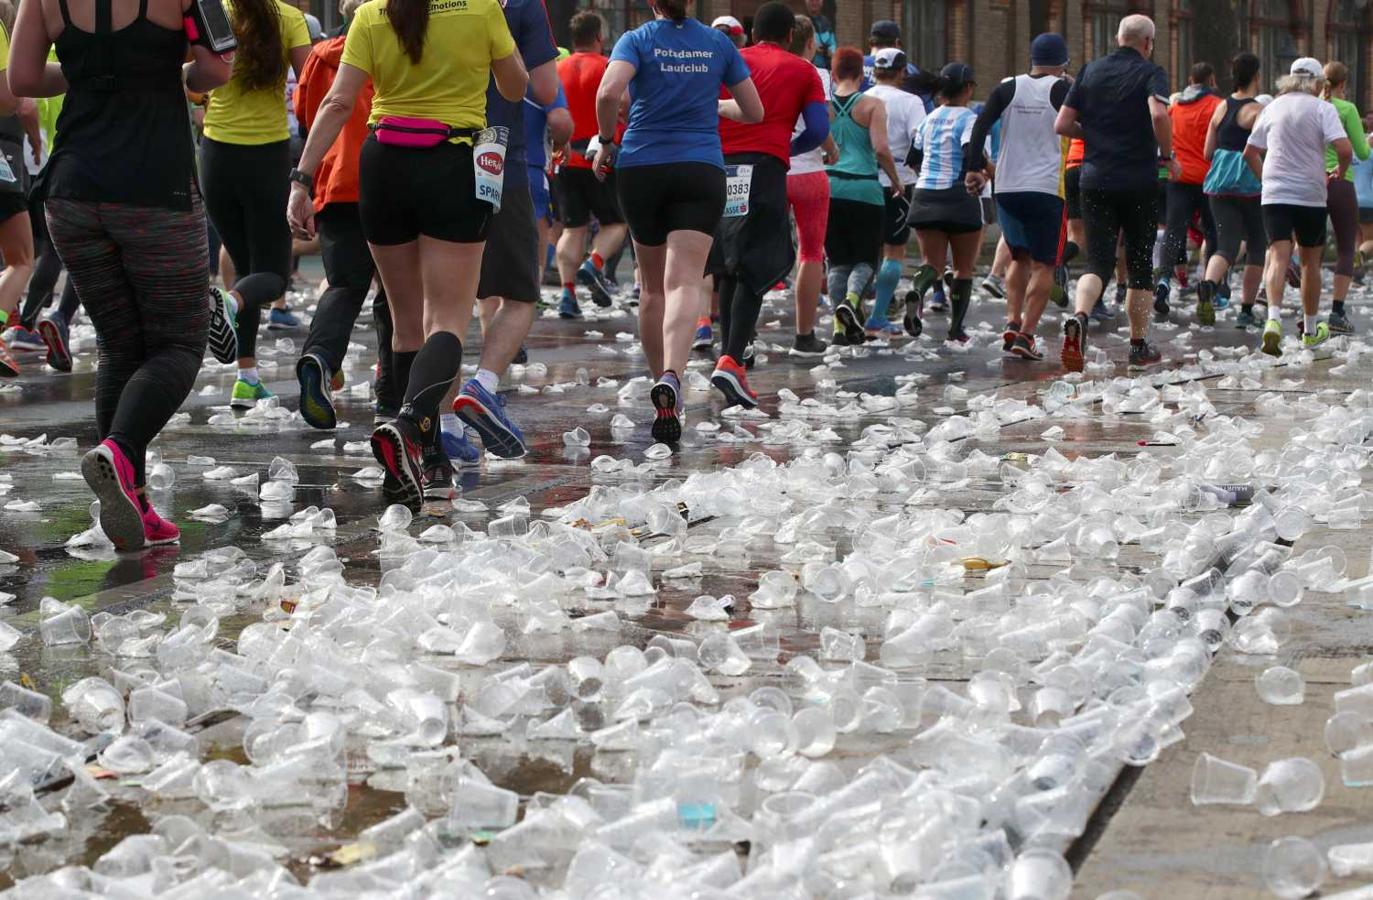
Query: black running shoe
pixel 851 321
pixel 437 480
pixel 808 345
pixel 398 451
pixel 316 397
pixel 1339 324
pixel 223 340
pixel 1161 308
pixel 667 406
pixel 1143 355
pixel 1008 336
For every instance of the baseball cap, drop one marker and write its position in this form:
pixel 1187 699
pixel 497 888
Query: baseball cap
pixel 889 58
pixel 885 30
pixel 1309 67
pixel 314 27
pixel 728 24
pixel 1049 49
pixel 957 73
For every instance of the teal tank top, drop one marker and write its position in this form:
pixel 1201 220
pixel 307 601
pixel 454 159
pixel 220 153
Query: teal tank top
pixel 854 176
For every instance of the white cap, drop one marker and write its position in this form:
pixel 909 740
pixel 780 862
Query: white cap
pixel 1264 99
pixel 729 23
pixel 889 58
pixel 1309 67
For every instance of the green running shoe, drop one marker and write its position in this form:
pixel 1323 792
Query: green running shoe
pixel 1272 338
pixel 246 396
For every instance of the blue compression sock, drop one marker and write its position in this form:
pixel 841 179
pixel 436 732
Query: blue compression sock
pixel 887 278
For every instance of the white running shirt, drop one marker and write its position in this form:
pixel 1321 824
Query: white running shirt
pixel 1295 129
pixel 1031 156
pixel 905 112
pixel 809 161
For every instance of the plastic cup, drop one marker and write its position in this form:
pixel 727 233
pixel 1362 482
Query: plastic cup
pixel 1290 785
pixel 70 626
pixel 27 703
pixel 815 732
pixel 1216 780
pixel 1280 686
pixel 1293 867
pixel 1345 731
pixel 1039 874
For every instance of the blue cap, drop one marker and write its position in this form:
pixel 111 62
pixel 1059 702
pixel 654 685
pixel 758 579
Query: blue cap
pixel 1049 49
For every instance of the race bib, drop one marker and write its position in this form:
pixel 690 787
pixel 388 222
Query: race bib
pixel 488 163
pixel 738 182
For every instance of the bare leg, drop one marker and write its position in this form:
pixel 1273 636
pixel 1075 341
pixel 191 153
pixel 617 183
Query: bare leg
pixel 504 332
pixel 684 263
pixel 16 243
pixel 1275 274
pixel 652 261
pixel 1311 280
pixel 1017 283
pixel 571 246
pixel 809 277
pixel 1037 295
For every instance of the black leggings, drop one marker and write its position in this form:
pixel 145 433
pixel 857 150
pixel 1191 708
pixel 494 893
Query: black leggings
pixel 1239 219
pixel 47 267
pixel 1342 202
pixel 350 270
pixel 1106 214
pixel 739 310
pixel 245 194
pixel 144 272
pixel 1184 201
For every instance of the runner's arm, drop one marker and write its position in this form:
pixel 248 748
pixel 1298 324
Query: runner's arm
pixel 333 113
pixel 1212 128
pixel 543 82
pixel 1344 155
pixel 877 134
pixel 746 107
pixel 817 120
pixel 1163 134
pixel 1067 123
pixel 30 74
pixel 991 112
pixel 1253 157
pixel 559 127
pixel 511 78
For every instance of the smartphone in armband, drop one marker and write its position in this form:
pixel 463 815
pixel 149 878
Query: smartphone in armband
pixel 208 24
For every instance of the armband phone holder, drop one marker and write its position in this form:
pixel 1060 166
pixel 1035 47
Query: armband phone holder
pixel 208 24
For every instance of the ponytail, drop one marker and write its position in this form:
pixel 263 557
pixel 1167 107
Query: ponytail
pixel 260 62
pixel 673 9
pixel 410 20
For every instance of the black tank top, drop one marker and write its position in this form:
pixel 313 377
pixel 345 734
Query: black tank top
pixel 124 133
pixel 1230 136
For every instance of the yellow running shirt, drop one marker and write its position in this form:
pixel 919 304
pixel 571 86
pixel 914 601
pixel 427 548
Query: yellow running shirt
pixel 449 84
pixel 238 116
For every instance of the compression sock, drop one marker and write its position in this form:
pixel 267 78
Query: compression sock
pixel 431 375
pixel 1337 306
pixel 887 278
pixel 960 297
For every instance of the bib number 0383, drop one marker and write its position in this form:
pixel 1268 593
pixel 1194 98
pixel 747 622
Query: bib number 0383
pixel 738 182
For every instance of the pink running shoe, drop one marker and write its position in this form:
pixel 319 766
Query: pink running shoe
pixel 111 477
pixel 157 530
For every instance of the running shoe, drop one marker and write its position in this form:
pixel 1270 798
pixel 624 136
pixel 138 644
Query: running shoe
pixel 594 280
pixel 1061 282
pixel 667 405
pixel 398 450
pixel 1340 324
pixel 53 329
pixel 484 412
pixel 730 379
pixel 157 530
pixel 1161 308
pixel 1144 355
pixel 337 380
pixel 383 412
pixel 847 315
pixel 246 396
pixel 1008 336
pixel 1101 312
pixel 316 393
pixel 876 329
pixel 995 286
pixel 1206 309
pixel 1074 350
pixel 9 366
pixel 26 340
pixel 568 308
pixel 1024 347
pixel 1293 273
pixel 808 345
pixel 914 319
pixel 223 341
pixel 1272 338
pixel 457 447
pixel 705 335
pixel 750 356
pixel 1222 298
pixel 1311 341
pixel 110 475
pixel 939 301
pixel 282 319
pixel 437 480
pixel 1245 318
pixel 1122 295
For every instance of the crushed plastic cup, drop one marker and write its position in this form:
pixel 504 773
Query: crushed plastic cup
pixel 1216 780
pixel 476 804
pixel 1350 859
pixel 30 704
pixel 1345 731
pixel 70 625
pixel 1280 686
pixel 1295 784
pixel 1293 867
pixel 1039 874
pixel 719 652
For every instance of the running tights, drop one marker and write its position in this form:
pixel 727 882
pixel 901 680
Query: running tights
pixel 1343 204
pixel 350 270
pixel 1184 201
pixel 1106 214
pixel 46 269
pixel 1239 219
pixel 739 311
pixel 432 371
pixel 246 188
pixel 143 272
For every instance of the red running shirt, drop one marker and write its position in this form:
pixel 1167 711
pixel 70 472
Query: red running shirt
pixel 786 83
pixel 581 76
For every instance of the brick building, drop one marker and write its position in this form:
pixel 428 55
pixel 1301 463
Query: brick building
pixel 994 35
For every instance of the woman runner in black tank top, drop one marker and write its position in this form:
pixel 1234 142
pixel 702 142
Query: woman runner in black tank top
pixel 125 215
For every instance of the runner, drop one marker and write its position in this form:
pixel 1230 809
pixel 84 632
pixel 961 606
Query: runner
pixel 348 265
pixel 731 28
pixel 823 31
pixel 16 232
pixel 580 194
pixel 1343 200
pixel 1363 185
pixel 671 175
pixel 1119 106
pixel 1190 117
pixel 1028 184
pixel 752 249
pixel 808 196
pixel 853 234
pixel 946 212
pixel 1286 151
pixel 905 112
pixel 245 156
pixel 424 208
pixel 128 224
pixel 547 129
pixel 1233 192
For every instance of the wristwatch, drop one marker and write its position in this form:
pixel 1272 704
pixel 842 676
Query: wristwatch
pixel 301 178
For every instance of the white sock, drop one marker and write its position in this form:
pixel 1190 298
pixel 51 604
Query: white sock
pixel 249 375
pixel 1309 324
pixel 450 423
pixel 1275 313
pixel 488 379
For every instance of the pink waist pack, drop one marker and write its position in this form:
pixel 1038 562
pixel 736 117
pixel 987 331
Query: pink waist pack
pixel 407 131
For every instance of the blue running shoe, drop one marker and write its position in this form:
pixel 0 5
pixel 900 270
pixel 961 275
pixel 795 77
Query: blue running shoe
pixel 568 308
pixel 484 412
pixel 459 448
pixel 594 280
pixel 282 319
pixel 705 336
pixel 1101 312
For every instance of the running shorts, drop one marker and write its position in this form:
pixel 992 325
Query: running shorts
pixel 896 230
pixel 660 199
pixel 756 247
pixel 1107 215
pixel 1031 223
pixel 405 192
pixel 854 234
pixel 582 195
pixel 1282 220
pixel 809 197
pixel 539 193
pixel 510 263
